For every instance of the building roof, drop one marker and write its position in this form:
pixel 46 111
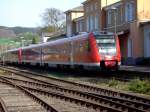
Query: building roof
pixel 86 1
pixel 113 5
pixel 76 9
pixel 79 18
pixel 54 34
pixel 146 22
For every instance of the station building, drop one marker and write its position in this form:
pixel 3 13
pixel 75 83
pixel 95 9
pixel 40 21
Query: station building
pixel 70 23
pixel 130 19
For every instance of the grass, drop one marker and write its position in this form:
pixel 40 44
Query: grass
pixel 113 83
pixel 139 86
pixel 135 85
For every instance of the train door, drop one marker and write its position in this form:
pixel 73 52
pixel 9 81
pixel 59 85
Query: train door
pixel 20 56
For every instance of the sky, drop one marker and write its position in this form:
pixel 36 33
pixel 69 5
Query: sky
pixel 27 13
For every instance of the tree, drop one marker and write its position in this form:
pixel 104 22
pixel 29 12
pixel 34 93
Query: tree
pixel 53 19
pixel 34 40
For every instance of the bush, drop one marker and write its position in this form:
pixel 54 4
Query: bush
pixel 139 86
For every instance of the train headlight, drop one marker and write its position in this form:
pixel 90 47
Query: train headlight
pixel 108 57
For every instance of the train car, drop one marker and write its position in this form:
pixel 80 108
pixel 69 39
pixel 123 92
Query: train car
pixel 31 55
pixel 88 50
pixel 12 56
pixel 96 50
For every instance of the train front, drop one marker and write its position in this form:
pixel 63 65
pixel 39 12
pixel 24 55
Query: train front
pixel 109 51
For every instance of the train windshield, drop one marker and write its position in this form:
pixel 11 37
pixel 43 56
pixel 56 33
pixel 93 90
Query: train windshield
pixel 106 44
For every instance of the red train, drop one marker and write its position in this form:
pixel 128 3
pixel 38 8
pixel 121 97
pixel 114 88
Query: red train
pixel 88 50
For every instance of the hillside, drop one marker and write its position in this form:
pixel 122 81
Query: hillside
pixel 19 30
pixel 14 31
pixel 4 33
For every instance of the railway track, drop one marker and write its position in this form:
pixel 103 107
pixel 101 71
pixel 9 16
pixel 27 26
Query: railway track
pixel 2 106
pixel 125 102
pixel 71 93
pixel 55 99
pixel 17 99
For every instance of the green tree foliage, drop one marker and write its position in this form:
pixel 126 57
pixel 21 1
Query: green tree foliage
pixel 35 39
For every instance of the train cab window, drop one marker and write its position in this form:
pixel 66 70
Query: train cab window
pixel 106 41
pixel 106 44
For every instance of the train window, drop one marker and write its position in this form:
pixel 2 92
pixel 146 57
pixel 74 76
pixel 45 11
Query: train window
pixel 106 41
pixel 106 44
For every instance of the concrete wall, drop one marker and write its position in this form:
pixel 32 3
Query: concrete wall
pixel 75 15
pixel 109 2
pixel 136 35
pixel 143 10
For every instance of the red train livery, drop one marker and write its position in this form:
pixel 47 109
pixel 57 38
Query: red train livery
pixel 94 50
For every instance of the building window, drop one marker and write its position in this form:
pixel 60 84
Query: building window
pixel 129 12
pixel 68 17
pixel 146 43
pixel 121 14
pixel 96 22
pixel 88 23
pixel 109 17
pixel 77 26
pixel 81 26
pixel 91 22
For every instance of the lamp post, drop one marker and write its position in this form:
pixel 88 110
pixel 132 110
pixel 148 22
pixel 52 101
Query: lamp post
pixel 114 9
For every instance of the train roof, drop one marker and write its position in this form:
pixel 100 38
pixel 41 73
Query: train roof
pixel 12 50
pixel 83 35
pixel 51 42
